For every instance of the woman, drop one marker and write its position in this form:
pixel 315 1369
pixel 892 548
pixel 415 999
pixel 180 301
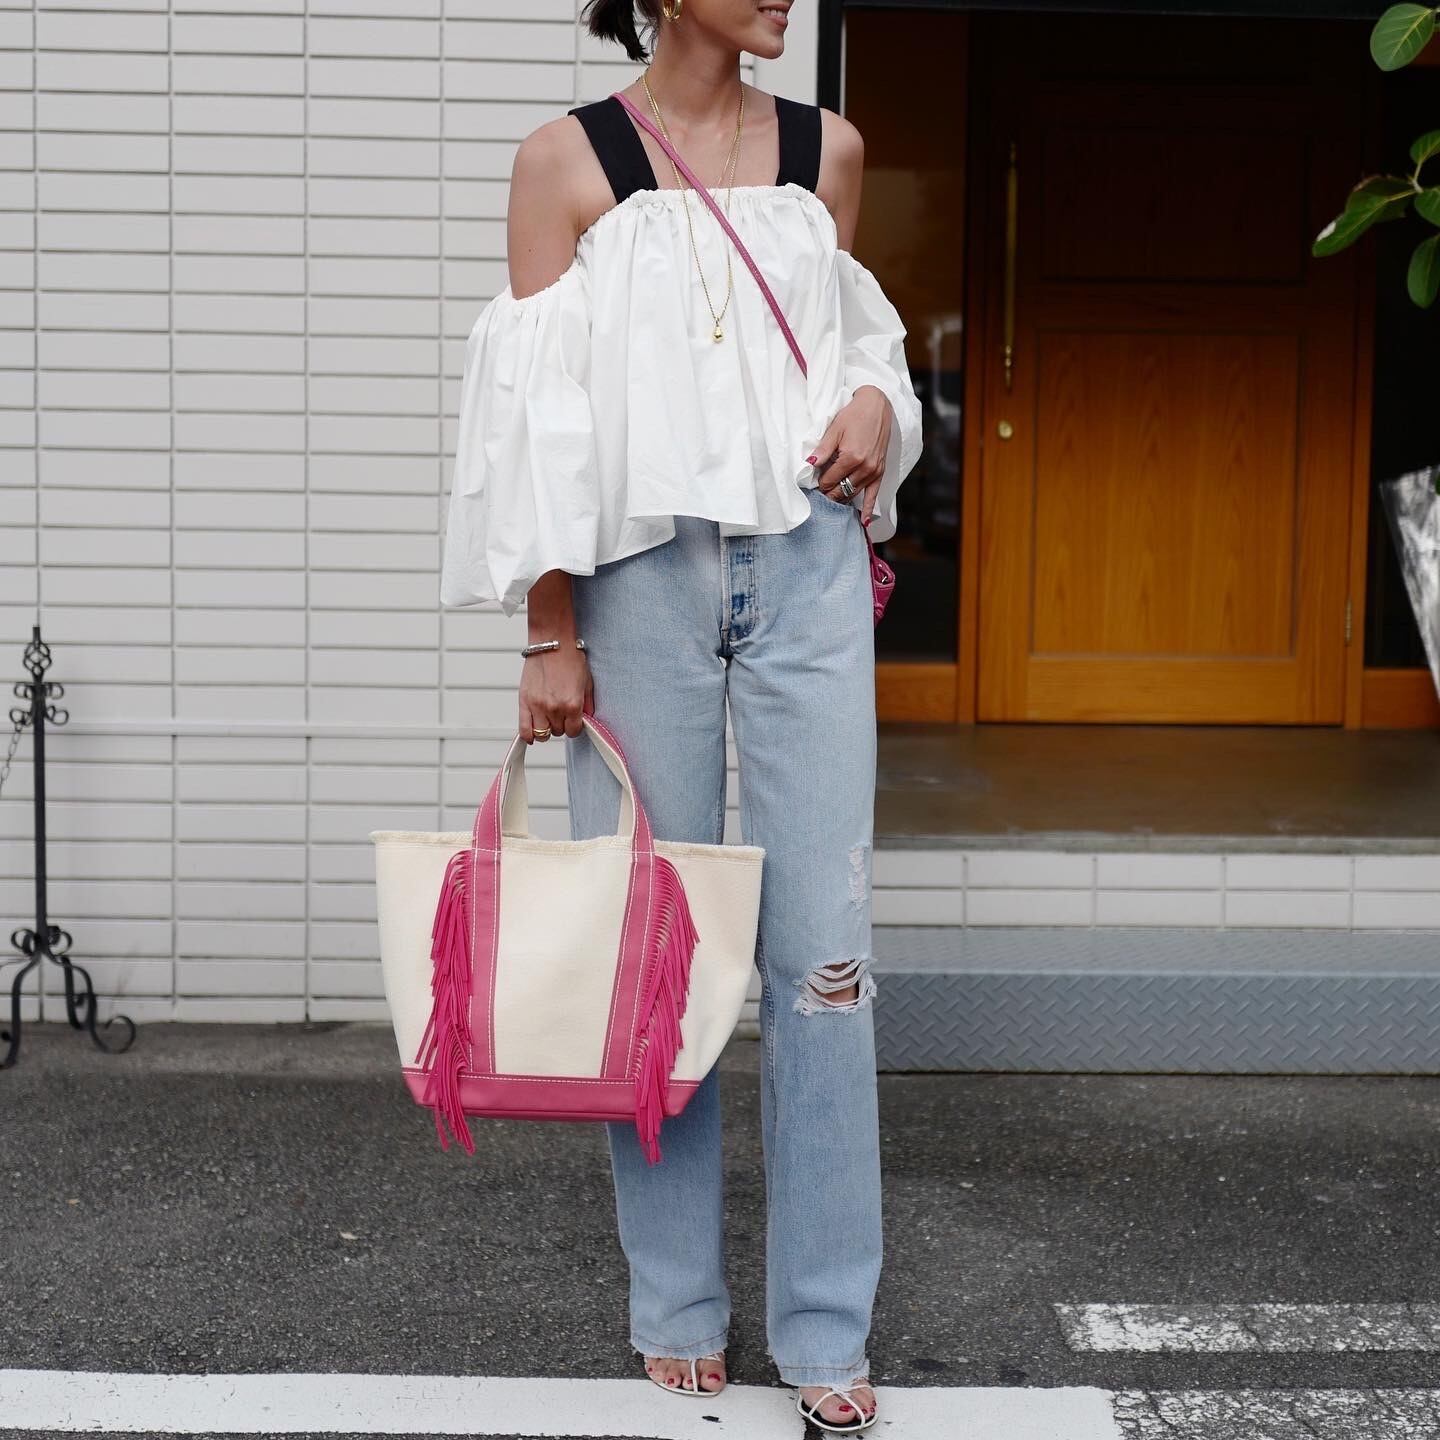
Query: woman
pixel 642 461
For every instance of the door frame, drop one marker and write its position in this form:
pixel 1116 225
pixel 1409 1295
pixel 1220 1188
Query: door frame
pixel 1373 697
pixel 1024 61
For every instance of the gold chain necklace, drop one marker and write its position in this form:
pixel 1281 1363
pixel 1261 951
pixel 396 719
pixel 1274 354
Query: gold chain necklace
pixel 718 333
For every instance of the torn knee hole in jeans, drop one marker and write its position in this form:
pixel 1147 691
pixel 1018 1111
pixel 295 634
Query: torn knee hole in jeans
pixel 859 876
pixel 825 981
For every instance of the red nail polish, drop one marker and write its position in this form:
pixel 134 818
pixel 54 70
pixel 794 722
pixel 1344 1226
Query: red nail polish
pixel 811 459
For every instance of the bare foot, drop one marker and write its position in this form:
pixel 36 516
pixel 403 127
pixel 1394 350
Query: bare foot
pixel 836 1410
pixel 675 1374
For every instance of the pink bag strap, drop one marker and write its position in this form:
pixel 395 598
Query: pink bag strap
pixel 644 120
pixel 649 125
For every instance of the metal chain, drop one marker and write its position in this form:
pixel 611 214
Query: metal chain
pixel 734 157
pixel 10 754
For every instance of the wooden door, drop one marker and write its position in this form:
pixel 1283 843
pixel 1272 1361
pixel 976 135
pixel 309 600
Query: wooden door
pixel 1166 472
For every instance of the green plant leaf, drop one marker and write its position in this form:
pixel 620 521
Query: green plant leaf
pixel 1382 197
pixel 1423 277
pixel 1382 188
pixel 1400 34
pixel 1426 146
pixel 1427 204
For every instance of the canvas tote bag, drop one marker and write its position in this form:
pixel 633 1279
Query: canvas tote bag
pixel 562 979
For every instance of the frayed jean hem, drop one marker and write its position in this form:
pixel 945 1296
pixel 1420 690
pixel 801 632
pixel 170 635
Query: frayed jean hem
pixel 696 1350
pixel 839 1376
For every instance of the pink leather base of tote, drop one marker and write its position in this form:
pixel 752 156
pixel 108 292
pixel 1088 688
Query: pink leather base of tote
pixel 547 1097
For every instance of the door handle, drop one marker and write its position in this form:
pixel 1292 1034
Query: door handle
pixel 1012 227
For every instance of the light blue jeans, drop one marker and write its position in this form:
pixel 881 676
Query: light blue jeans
pixel 781 624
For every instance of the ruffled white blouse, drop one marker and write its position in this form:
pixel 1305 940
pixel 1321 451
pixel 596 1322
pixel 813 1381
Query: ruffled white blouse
pixel 595 410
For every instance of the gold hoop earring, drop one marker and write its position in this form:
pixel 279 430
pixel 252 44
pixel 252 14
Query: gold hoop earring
pixel 670 9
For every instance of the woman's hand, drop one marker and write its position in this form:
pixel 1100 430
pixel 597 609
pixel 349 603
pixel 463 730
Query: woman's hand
pixel 555 685
pixel 855 445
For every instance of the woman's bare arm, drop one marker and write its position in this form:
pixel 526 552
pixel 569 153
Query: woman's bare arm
pixel 541 228
pixel 858 438
pixel 542 232
pixel 842 170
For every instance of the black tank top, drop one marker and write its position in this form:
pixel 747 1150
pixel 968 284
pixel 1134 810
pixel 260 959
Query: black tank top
pixel 626 162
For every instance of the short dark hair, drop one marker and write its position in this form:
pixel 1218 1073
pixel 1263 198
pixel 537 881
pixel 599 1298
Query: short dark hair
pixel 615 20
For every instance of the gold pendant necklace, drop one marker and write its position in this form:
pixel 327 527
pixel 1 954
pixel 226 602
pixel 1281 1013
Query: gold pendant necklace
pixel 718 333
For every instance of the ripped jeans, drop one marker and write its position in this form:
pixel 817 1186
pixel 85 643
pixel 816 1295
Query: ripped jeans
pixel 781 624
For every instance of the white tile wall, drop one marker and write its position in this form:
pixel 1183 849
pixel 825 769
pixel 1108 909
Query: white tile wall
pixel 1235 890
pixel 241 246
pixel 1034 887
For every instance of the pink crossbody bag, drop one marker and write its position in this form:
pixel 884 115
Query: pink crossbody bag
pixel 882 577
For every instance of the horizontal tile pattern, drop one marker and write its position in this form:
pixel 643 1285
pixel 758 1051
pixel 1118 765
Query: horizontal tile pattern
pixel 240 251
pixel 184 863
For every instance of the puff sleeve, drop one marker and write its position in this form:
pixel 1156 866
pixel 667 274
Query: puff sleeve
pixel 524 493
pixel 875 355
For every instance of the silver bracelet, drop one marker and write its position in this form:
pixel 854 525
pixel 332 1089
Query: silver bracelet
pixel 541 646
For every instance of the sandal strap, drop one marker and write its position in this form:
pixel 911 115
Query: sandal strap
pixel 842 1393
pixel 839 1395
pixel 694 1374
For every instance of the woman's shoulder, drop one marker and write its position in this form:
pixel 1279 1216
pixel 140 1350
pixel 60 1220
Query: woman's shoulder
pixel 838 136
pixel 842 149
pixel 556 190
pixel 560 155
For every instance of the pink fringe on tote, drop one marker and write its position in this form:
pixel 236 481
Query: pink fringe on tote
pixel 668 948
pixel 446 1042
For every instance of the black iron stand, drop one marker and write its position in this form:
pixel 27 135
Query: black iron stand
pixel 46 939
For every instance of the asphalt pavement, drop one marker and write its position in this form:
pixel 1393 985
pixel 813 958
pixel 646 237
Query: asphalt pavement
pixel 1200 1258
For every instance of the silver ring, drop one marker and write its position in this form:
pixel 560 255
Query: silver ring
pixel 846 488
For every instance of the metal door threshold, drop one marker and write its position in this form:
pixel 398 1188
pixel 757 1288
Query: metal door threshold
pixel 1131 999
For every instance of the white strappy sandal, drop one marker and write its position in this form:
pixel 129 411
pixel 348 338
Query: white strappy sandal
pixel 694 1375
pixel 862 1421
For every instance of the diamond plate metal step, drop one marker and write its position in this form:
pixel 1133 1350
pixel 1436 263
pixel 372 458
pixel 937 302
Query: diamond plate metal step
pixel 1068 998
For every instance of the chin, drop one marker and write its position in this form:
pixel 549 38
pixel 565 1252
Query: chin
pixel 766 47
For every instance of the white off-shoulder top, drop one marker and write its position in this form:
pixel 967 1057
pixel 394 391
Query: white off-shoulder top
pixel 595 410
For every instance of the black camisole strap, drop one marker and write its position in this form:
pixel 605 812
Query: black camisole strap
pixel 617 145
pixel 799 142
pixel 626 162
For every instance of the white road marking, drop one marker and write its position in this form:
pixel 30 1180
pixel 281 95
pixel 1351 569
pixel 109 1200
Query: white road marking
pixel 68 1401
pixel 63 1401
pixel 1263 1329
pixel 1378 1414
